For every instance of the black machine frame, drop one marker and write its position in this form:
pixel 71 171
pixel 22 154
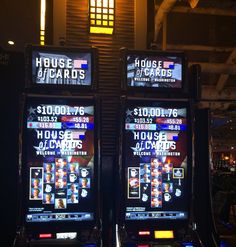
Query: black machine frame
pixel 154 224
pixel 32 229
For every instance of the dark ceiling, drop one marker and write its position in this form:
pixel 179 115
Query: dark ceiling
pixel 207 35
pixel 19 21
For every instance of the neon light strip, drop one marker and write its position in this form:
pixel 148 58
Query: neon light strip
pixel 42 21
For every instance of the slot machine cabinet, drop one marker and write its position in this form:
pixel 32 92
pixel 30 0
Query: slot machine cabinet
pixel 60 152
pixel 155 155
pixel 156 172
pixel 12 77
pixel 203 207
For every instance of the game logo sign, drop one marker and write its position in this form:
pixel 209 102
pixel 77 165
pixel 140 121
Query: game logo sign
pixel 60 67
pixel 156 160
pixel 59 159
pixel 146 70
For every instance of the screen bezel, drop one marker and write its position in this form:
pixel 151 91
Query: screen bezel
pixel 30 84
pixel 124 53
pixel 55 226
pixel 123 179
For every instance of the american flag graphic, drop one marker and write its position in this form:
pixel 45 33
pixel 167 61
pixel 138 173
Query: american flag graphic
pixel 168 65
pixel 78 135
pixel 172 136
pixel 80 64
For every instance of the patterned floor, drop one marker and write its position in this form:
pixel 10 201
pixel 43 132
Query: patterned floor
pixel 227 232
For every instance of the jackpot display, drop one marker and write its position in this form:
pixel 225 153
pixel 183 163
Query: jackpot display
pixel 156 160
pixel 154 70
pixel 61 67
pixel 59 159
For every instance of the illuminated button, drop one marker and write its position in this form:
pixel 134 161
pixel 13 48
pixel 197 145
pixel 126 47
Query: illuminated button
pixel 144 233
pixel 66 235
pixel 187 245
pixel 164 234
pixel 45 235
pixel 130 245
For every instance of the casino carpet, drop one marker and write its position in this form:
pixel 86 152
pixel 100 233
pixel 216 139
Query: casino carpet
pixel 227 232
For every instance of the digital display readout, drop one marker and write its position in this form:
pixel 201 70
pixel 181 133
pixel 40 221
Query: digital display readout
pixel 156 160
pixel 154 70
pixel 58 149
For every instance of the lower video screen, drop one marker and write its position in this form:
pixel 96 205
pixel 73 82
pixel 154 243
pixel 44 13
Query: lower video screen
pixel 58 160
pixel 156 160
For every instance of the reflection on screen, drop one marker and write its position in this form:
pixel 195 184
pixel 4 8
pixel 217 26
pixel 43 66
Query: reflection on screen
pixel 154 71
pixel 61 67
pixel 59 162
pixel 156 161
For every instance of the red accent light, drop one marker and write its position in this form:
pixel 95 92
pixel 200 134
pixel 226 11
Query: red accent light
pixel 144 233
pixel 146 245
pixel 45 235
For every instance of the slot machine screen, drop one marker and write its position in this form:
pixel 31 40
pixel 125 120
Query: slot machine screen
pixel 149 70
pixel 60 67
pixel 59 159
pixel 156 160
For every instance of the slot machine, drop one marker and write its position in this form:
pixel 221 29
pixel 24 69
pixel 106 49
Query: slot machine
pixel 59 169
pixel 155 152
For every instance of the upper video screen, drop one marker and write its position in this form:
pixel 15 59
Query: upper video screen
pixel 61 67
pixel 58 150
pixel 154 70
pixel 156 160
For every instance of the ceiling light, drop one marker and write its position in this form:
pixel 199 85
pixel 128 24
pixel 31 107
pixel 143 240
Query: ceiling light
pixel 10 42
pixel 193 3
pixel 102 16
